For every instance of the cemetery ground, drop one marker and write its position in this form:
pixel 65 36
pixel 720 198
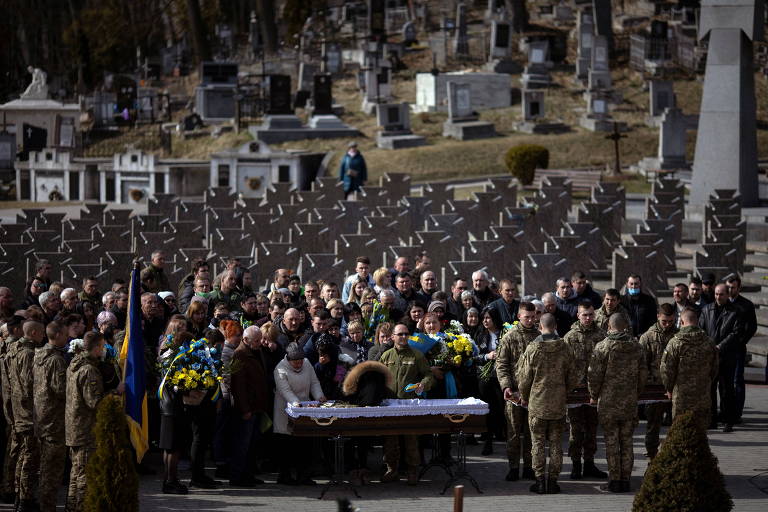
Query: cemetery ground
pixel 743 458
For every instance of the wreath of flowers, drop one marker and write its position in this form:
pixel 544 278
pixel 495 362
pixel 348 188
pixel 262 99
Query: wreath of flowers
pixel 190 367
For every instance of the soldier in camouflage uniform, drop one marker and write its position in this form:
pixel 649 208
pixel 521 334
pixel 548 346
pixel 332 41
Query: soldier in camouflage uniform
pixel 616 376
pixel 545 375
pixel 20 361
pixel 508 353
pixel 688 368
pixel 50 381
pixel 581 339
pixel 611 305
pixel 654 341
pixel 15 332
pixel 85 389
pixel 407 366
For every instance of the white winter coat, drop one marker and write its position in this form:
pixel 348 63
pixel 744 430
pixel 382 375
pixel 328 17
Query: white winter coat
pixel 293 386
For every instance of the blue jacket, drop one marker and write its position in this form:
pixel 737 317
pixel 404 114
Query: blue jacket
pixel 356 163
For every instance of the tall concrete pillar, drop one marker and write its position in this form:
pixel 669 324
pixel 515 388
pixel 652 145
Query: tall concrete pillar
pixel 726 142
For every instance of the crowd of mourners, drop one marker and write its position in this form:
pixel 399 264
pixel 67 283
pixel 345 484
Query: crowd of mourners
pixel 298 341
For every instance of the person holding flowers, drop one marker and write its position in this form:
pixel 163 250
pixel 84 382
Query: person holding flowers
pixel 487 343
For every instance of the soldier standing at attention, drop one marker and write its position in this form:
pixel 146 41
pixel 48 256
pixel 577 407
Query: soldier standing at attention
pixel 21 357
pixel 85 388
pixel 688 368
pixel 654 341
pixel 508 353
pixel 581 339
pixel 50 384
pixel 545 374
pixel 15 332
pixel 616 376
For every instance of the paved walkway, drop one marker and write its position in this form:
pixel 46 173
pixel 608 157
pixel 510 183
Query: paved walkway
pixel 743 457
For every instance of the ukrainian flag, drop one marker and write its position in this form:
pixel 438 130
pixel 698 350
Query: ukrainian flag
pixel 132 361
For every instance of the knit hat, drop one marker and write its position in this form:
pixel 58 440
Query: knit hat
pixel 165 295
pixel 435 304
pixel 294 352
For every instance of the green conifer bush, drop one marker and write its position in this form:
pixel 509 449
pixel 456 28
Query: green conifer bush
pixel 523 160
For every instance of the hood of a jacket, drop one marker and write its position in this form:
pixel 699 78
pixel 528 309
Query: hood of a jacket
pixel 621 342
pixel 693 334
pixel 45 352
pixel 549 342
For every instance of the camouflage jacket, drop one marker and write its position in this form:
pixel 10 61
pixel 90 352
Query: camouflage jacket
pixel 84 391
pixel 616 376
pixel 407 366
pixel 582 340
pixel 688 367
pixel 654 341
pixel 154 280
pixel 545 374
pixel 509 351
pixel 5 380
pixel 602 316
pixel 20 359
pixel 50 386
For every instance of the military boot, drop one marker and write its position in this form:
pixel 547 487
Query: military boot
pixel 552 487
pixel 539 487
pixel 513 475
pixel 624 486
pixel 612 486
pixel 576 469
pixel 528 474
pixel 591 470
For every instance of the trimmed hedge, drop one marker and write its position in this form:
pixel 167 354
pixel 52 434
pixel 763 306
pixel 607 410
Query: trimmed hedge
pixel 113 484
pixel 523 160
pixel 684 476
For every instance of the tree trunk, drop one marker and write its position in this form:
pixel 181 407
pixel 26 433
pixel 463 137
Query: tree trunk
pixel 202 49
pixel 266 12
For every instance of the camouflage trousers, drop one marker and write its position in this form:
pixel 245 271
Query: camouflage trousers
pixel 53 458
pixel 618 446
pixel 545 432
pixel 654 413
pixel 9 463
pixel 518 435
pixel 27 467
pixel 582 440
pixel 392 452
pixel 76 492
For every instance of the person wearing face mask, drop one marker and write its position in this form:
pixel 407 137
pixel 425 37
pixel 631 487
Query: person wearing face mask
pixel 85 389
pixel 640 306
pixel 352 172
pixel 295 381
pixel 654 341
pixel 50 386
pixel 20 365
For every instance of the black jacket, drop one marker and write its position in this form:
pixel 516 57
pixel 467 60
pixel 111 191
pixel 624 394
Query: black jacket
pixel 564 322
pixel 747 317
pixel 722 324
pixel 642 312
pixel 590 295
pixel 507 312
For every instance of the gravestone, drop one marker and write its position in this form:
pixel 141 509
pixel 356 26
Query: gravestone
pixel 534 116
pixel 215 96
pixel 574 249
pixel 662 96
pixel 461 39
pixel 536 72
pixel 438 46
pixel 585 34
pixel 603 20
pixel 408 33
pixel 598 117
pixel 673 140
pixel 501 40
pixel 395 120
pixel 307 74
pixel 332 58
pixel 322 96
pixel 462 122
pixel 627 259
pixel 539 272
pixel 599 77
pixel 727 122
pixel 279 95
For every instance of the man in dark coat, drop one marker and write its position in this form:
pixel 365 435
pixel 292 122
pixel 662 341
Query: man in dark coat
pixel 507 305
pixel 584 290
pixel 748 319
pixel 640 306
pixel 720 320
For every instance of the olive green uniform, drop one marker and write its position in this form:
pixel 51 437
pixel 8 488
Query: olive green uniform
pixel 654 341
pixel 20 360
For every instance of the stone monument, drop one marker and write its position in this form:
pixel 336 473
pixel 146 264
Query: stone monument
pixel 726 142
pixel 463 123
pixel 395 121
pixel 534 115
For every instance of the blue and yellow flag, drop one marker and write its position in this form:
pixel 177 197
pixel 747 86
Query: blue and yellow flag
pixel 134 371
